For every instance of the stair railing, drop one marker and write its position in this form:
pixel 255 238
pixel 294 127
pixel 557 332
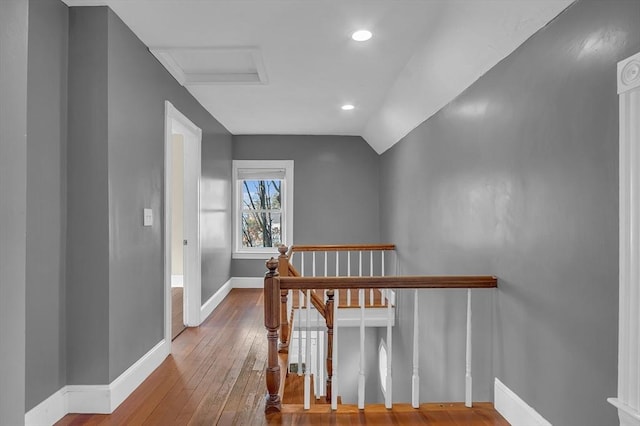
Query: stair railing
pixel 326 260
pixel 321 265
pixel 275 286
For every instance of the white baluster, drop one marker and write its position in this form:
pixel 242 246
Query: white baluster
pixel 313 266
pixel 325 264
pixel 415 378
pixel 300 304
pixel 383 292
pixel 371 263
pixel 290 307
pixel 371 274
pixel 334 378
pixel 302 264
pixel 360 293
pixel 349 274
pixel 388 400
pixel 318 370
pixel 325 274
pixel 361 378
pixel 307 356
pixel 337 263
pixel 468 379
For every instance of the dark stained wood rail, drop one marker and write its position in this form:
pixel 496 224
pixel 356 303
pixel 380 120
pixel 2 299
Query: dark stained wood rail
pixel 388 282
pixel 341 247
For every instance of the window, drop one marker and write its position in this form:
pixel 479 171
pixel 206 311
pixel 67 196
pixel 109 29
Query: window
pixel 263 199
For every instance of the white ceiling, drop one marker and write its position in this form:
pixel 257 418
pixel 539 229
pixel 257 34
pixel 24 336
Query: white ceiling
pixel 286 66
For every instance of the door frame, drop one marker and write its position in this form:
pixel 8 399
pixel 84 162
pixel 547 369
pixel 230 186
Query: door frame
pixel 628 399
pixel 176 122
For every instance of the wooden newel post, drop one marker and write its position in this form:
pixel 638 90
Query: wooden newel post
pixel 272 323
pixel 283 270
pixel 329 318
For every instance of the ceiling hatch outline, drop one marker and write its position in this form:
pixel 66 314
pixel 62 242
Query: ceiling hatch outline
pixel 193 66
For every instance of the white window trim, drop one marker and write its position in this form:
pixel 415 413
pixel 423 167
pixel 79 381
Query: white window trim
pixel 287 207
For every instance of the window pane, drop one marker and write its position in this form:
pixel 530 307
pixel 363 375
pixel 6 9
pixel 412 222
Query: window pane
pixel 261 194
pixel 261 229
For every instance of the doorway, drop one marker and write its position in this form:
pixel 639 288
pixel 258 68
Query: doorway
pixel 182 222
pixel 178 322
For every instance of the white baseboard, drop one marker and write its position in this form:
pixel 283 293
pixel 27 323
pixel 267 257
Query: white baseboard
pixel 89 399
pixel 247 282
pixel 96 399
pixel 233 282
pixel 177 280
pixel 627 415
pixel 129 381
pixel 514 409
pixel 208 306
pixel 104 399
pixel 48 411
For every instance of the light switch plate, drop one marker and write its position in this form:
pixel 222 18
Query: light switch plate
pixel 148 217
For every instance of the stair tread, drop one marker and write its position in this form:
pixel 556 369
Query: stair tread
pixel 294 390
pixel 373 408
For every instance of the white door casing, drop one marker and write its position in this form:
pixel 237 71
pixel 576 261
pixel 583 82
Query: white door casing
pixel 178 123
pixel 628 399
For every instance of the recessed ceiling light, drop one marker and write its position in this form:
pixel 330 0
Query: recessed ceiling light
pixel 361 35
pixel 347 107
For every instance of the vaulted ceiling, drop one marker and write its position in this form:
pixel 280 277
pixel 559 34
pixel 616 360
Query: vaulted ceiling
pixel 287 66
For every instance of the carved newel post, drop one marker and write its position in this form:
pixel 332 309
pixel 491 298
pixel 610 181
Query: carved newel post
pixel 272 323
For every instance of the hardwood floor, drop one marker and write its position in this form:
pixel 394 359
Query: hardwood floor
pixel 215 375
pixel 177 309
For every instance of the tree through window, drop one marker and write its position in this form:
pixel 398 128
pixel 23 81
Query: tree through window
pixel 261 213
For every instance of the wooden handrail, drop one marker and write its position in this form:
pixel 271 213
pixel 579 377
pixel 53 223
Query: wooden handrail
pixel 341 247
pixel 388 282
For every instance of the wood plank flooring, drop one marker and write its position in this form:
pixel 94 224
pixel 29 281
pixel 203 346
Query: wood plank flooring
pixel 215 375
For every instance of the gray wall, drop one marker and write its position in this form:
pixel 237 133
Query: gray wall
pixel 349 365
pixel 87 297
pixel 335 188
pixel 13 193
pixel 215 210
pixel 116 98
pixel 46 199
pixel 517 177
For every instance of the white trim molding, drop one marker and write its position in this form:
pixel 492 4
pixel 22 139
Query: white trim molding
pixel 97 399
pixel 176 122
pixel 104 399
pixel 233 282
pixel 262 170
pixel 48 411
pixel 177 281
pixel 628 399
pixel 514 409
pixel 208 306
pixel 247 282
